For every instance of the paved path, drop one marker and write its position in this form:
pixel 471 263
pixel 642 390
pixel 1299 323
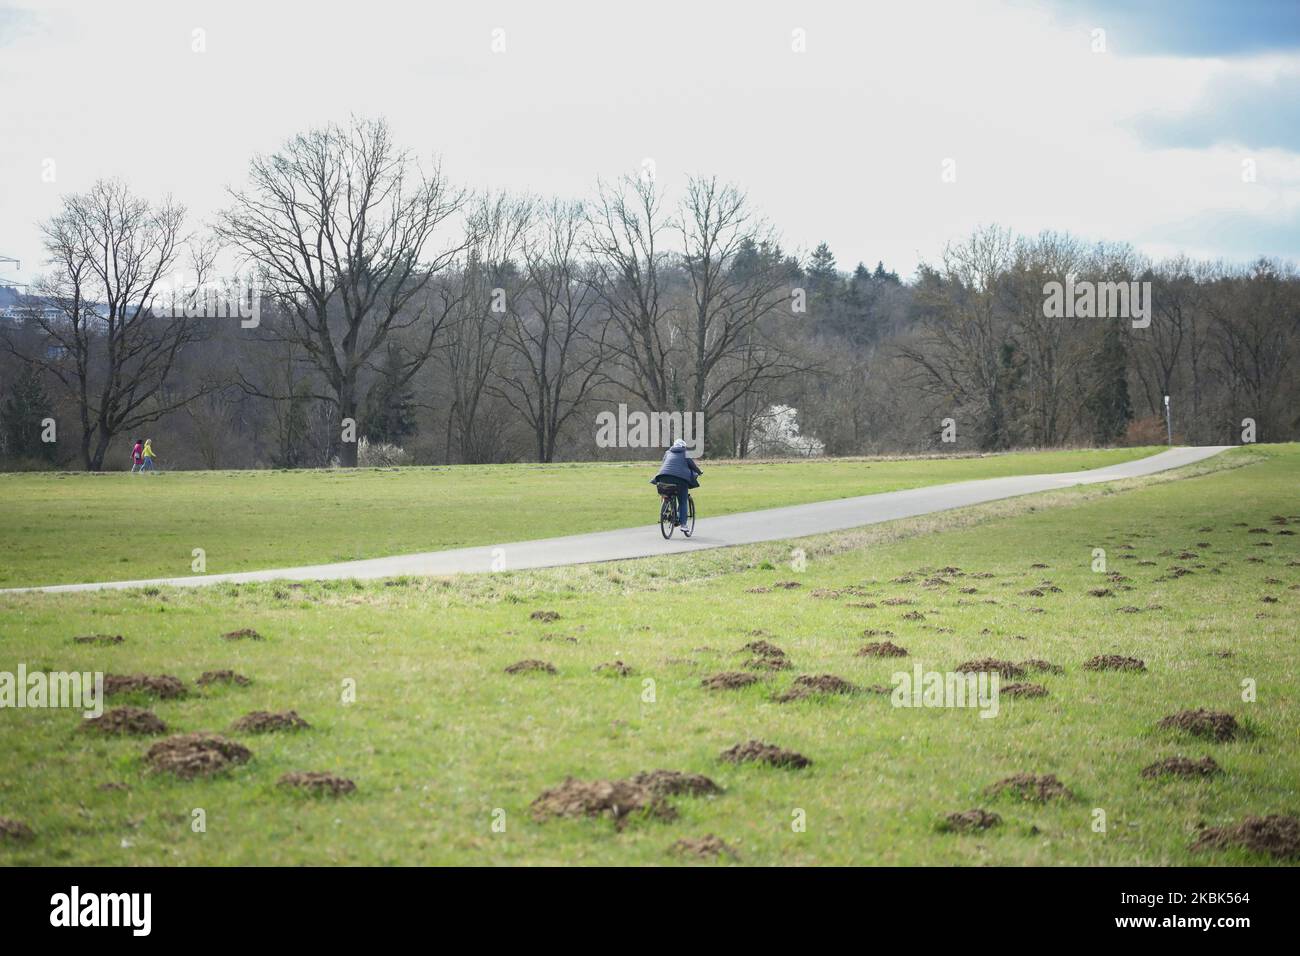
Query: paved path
pixel 749 527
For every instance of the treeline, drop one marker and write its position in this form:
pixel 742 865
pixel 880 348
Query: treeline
pixel 378 314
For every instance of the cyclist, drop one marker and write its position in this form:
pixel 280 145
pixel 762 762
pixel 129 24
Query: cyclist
pixel 679 470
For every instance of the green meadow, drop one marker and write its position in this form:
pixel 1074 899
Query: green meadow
pixel 405 688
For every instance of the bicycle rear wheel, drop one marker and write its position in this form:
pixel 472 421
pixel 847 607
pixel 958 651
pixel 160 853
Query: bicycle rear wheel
pixel 689 529
pixel 666 517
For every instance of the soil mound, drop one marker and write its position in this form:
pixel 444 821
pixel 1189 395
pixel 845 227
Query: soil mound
pixel 881 649
pixel 196 755
pixel 1114 662
pixel 14 830
pixel 759 752
pixel 1213 724
pixel 704 848
pixel 263 722
pixel 160 685
pixel 222 677
pixel 970 821
pixel 531 666
pixel 134 721
pixel 1277 835
pixel 318 782
pixel 1033 788
pixel 728 680
pixel 99 639
pixel 1181 767
pixel 991 665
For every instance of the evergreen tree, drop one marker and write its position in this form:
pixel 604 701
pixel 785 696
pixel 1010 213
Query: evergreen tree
pixel 389 415
pixel 26 404
pixel 821 265
pixel 1109 403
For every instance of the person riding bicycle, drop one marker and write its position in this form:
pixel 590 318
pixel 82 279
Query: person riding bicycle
pixel 680 471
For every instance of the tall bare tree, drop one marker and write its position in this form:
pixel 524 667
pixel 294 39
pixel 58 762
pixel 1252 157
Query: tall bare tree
pixel 735 297
pixel 338 224
pixel 554 333
pixel 630 273
pixel 110 255
pixel 964 356
pixel 489 283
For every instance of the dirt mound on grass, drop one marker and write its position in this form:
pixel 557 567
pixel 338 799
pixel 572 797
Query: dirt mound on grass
pixel 644 793
pixel 1277 835
pixel 1038 664
pixel 991 665
pixel 614 668
pixel 1023 690
pixel 263 722
pixel 881 649
pixel 243 634
pixel 1114 662
pixel 544 616
pixel 672 783
pixel 1212 724
pixel 99 639
pixel 617 799
pixel 809 685
pixel 531 666
pixel 728 680
pixel 222 677
pixel 704 848
pixel 970 821
pixel 759 752
pixel 768 664
pixel 1182 767
pixel 196 755
pixel 160 685
pixel 1033 788
pixel 317 782
pixel 135 721
pixel 787 585
pixel 762 649
pixel 14 830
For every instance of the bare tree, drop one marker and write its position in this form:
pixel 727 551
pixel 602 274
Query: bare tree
pixel 487 285
pixel 964 356
pixel 110 253
pixel 337 224
pixel 630 275
pixel 554 335
pixel 734 289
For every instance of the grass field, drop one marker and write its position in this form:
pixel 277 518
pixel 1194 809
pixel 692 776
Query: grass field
pixel 442 743
pixel 64 528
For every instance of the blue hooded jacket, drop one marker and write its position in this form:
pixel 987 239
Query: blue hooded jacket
pixel 677 465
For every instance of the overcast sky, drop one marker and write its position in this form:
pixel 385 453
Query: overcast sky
pixel 843 143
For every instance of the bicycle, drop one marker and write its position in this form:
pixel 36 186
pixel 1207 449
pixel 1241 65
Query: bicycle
pixel 668 511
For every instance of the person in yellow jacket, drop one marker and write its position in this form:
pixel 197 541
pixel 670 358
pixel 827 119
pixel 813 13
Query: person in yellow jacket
pixel 149 463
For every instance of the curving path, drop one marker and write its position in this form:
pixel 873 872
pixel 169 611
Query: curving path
pixel 749 527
